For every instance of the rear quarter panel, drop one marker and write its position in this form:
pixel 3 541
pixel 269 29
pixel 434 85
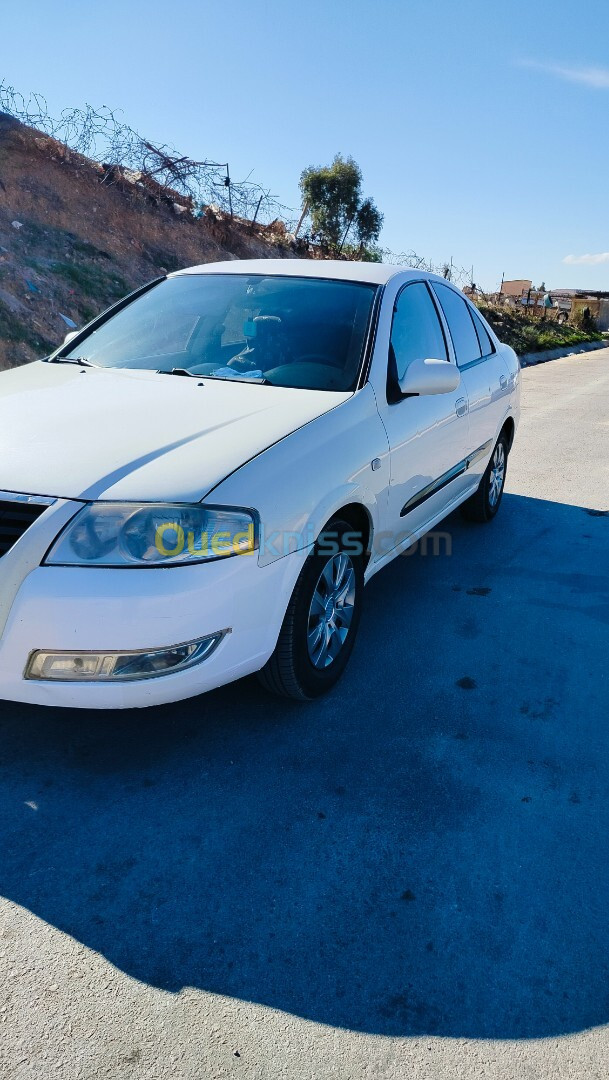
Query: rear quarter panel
pixel 512 363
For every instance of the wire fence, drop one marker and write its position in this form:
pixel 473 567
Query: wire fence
pixel 461 276
pixel 101 135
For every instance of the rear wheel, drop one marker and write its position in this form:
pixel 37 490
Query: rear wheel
pixel 321 622
pixel 484 504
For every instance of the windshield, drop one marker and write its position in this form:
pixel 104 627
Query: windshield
pixel 287 331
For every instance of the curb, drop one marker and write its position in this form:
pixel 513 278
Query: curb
pixel 529 359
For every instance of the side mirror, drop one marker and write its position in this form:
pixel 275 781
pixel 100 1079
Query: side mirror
pixel 430 377
pixel 68 338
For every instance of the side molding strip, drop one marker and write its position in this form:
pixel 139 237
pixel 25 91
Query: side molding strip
pixel 445 478
pixel 481 452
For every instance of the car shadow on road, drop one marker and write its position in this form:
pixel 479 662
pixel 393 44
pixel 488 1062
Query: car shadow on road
pixel 422 852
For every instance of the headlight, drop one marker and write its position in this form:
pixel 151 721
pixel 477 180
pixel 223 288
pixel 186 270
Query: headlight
pixel 127 534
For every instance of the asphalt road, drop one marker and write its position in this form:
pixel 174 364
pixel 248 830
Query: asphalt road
pixel 407 879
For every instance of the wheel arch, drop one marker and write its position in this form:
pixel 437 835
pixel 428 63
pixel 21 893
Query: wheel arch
pixel 509 430
pixel 359 517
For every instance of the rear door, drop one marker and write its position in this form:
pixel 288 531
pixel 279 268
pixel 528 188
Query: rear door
pixel 484 374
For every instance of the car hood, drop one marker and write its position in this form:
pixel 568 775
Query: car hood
pixel 85 433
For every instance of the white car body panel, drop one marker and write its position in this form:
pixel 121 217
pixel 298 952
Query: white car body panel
pixel 323 475
pixel 426 437
pixel 136 435
pixel 335 270
pixel 295 456
pixel 94 608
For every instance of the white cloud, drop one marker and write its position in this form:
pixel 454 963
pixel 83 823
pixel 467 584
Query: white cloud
pixel 596 77
pixel 587 260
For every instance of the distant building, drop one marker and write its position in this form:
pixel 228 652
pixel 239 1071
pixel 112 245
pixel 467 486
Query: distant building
pixel 567 303
pixel 597 304
pixel 520 293
pixel 515 288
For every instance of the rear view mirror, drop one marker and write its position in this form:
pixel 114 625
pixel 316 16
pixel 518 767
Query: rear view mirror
pixel 68 338
pixel 430 377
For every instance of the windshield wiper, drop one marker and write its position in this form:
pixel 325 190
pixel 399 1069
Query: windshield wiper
pixel 239 378
pixel 217 378
pixel 178 371
pixel 80 360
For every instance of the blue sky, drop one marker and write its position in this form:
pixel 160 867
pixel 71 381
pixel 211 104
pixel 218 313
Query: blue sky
pixel 480 127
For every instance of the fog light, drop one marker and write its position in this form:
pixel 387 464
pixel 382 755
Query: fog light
pixel 113 666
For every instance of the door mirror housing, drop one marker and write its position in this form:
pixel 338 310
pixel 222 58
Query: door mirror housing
pixel 430 377
pixel 68 338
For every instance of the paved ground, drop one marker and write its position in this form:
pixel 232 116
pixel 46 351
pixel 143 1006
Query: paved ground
pixel 408 879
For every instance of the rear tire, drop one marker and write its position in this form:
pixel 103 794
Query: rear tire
pixel 484 504
pixel 322 619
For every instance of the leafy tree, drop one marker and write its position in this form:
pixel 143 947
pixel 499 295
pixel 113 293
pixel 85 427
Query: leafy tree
pixel 333 197
pixel 371 253
pixel 368 224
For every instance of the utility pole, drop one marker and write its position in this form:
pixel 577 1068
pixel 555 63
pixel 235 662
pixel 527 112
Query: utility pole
pixel 305 211
pixel 230 194
pixel 257 209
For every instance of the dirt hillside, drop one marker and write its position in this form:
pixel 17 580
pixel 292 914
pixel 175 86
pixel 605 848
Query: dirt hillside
pixel 76 236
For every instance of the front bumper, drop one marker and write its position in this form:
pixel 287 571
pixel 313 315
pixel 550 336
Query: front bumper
pixel 98 609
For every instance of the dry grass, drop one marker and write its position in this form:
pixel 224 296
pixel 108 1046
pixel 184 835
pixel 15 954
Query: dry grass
pixel 83 243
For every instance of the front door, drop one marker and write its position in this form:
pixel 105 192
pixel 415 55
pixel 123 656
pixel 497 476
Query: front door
pixel 428 435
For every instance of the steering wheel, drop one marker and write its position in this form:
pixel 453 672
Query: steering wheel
pixel 241 364
pixel 318 358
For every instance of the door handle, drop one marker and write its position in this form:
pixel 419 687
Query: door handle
pixel 461 406
pixel 503 381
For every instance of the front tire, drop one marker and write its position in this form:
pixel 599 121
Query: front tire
pixel 484 504
pixel 322 619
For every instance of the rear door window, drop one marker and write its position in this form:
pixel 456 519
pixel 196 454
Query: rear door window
pixel 486 342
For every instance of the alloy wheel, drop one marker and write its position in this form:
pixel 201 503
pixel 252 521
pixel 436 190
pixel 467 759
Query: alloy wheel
pixel 497 475
pixel 331 610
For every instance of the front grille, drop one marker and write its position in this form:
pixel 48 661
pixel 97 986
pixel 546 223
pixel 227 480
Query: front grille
pixel 15 518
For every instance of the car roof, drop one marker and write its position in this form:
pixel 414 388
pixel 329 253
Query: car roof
pixel 335 269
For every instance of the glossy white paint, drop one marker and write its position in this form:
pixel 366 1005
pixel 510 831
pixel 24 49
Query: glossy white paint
pixel 298 484
pixel 426 437
pixel 90 608
pixel 333 269
pixel 93 433
pixel 296 456
pixel 429 376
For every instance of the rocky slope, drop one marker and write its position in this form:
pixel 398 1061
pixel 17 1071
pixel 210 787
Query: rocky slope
pixel 75 236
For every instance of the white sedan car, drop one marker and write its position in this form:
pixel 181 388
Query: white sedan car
pixel 198 485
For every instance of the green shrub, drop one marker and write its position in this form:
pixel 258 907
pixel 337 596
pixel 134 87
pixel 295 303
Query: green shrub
pixel 16 331
pixel 91 280
pixel 526 334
